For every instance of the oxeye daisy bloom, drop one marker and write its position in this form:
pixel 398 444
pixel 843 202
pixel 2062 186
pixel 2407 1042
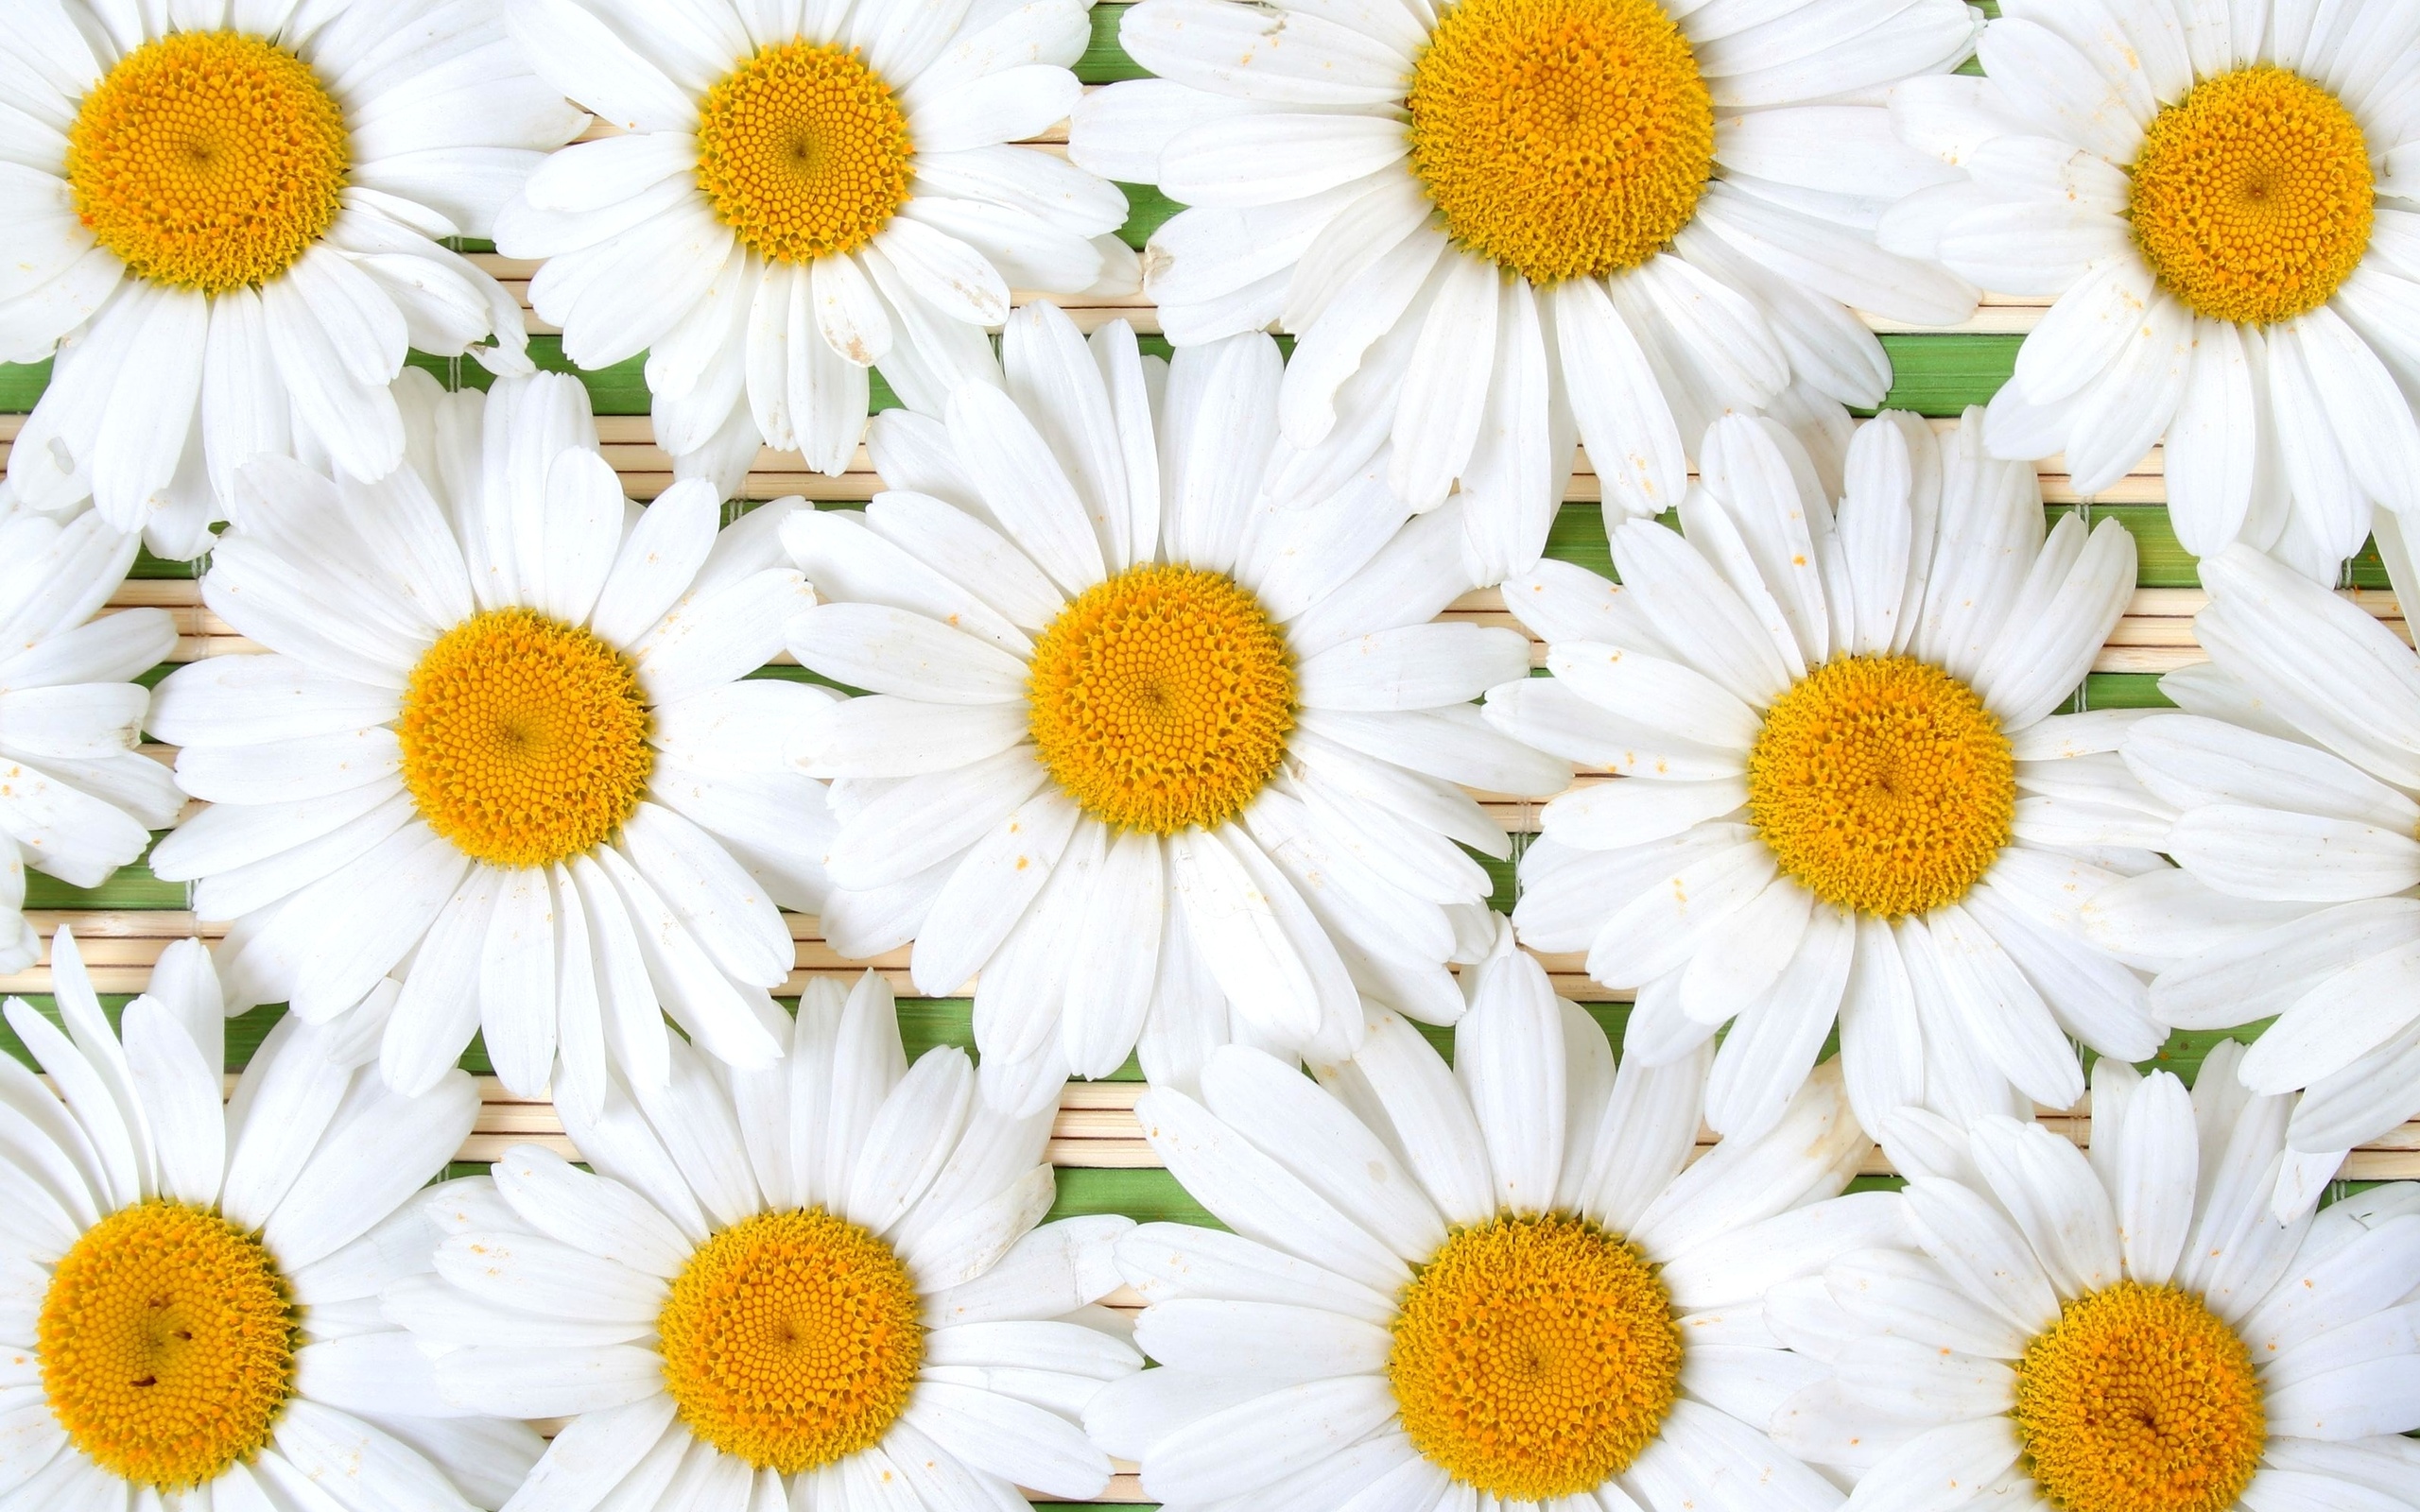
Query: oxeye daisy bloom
pixel 2131 1330
pixel 2222 198
pixel 819 1283
pixel 2294 775
pixel 1494 225
pixel 77 799
pixel 191 1308
pixel 223 216
pixel 1494 1280
pixel 1842 794
pixel 499 771
pixel 808 189
pixel 1164 760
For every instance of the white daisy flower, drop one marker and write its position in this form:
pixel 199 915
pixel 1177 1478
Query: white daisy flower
pixel 814 1284
pixel 2294 773
pixel 1843 795
pixel 222 216
pixel 810 188
pixel 2225 196
pixel 1492 1285
pixel 77 799
pixel 191 1299
pixel 499 771
pixel 2131 1331
pixel 1494 225
pixel 1162 759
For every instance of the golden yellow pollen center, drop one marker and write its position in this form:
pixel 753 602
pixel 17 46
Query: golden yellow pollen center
pixel 1560 138
pixel 1162 698
pixel 1534 1357
pixel 2139 1400
pixel 208 160
pixel 1882 785
pixel 791 1340
pixel 2253 196
pixel 804 151
pixel 524 739
pixel 168 1344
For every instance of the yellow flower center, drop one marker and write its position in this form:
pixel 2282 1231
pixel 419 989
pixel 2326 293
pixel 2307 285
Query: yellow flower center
pixel 2253 196
pixel 524 739
pixel 804 151
pixel 1162 698
pixel 208 160
pixel 1882 785
pixel 2139 1400
pixel 1560 138
pixel 167 1341
pixel 1534 1357
pixel 791 1340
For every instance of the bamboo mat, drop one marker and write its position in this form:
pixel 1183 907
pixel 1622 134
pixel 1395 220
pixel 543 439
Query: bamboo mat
pixel 1104 1165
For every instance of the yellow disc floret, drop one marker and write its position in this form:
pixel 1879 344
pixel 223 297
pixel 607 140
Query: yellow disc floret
pixel 2139 1399
pixel 524 739
pixel 1560 138
pixel 804 151
pixel 167 1340
pixel 1534 1357
pixel 2253 196
pixel 791 1340
pixel 208 160
pixel 1882 784
pixel 1162 698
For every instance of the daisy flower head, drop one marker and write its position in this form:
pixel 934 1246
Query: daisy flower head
pixel 1489 1284
pixel 500 769
pixel 77 799
pixel 2222 198
pixel 223 216
pixel 2130 1329
pixel 1841 791
pixel 805 189
pixel 823 1283
pixel 2293 771
pixel 191 1306
pixel 1494 225
pixel 1165 760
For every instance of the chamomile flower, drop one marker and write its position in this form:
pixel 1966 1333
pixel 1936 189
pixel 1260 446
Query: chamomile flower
pixel 816 1284
pixel 498 770
pixel 2131 1330
pixel 2222 198
pixel 1506 1280
pixel 807 189
pixel 191 1305
pixel 1494 225
pixel 2294 773
pixel 77 799
pixel 1162 759
pixel 1842 792
pixel 223 216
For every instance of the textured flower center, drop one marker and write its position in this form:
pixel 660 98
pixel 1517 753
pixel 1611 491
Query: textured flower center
pixel 1560 138
pixel 1534 1357
pixel 804 151
pixel 2139 1400
pixel 1882 784
pixel 208 160
pixel 524 739
pixel 791 1340
pixel 1162 699
pixel 2253 196
pixel 167 1342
